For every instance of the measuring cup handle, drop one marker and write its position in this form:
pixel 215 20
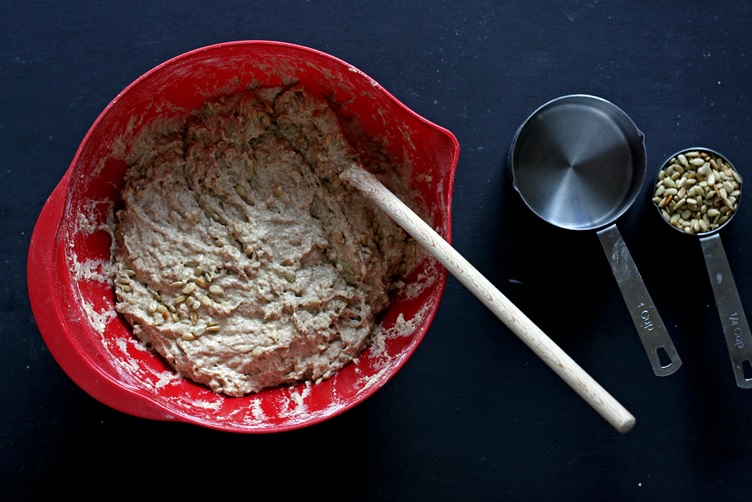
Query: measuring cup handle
pixel 734 322
pixel 655 339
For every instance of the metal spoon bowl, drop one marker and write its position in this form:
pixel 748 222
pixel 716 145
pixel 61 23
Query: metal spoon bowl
pixel 578 162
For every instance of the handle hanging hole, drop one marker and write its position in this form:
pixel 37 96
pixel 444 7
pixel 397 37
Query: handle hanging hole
pixel 747 369
pixel 665 359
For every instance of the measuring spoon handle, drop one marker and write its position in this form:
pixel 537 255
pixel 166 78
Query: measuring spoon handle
pixel 655 339
pixel 734 322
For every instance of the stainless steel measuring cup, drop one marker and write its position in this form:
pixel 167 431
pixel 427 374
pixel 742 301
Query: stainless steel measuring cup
pixel 579 163
pixel 702 207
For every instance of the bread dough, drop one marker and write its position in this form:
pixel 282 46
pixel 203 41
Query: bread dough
pixel 239 254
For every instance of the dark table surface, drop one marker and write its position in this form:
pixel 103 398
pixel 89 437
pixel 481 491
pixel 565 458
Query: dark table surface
pixel 474 414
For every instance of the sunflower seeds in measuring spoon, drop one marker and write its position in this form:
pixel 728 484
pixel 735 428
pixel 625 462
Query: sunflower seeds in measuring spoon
pixel 698 192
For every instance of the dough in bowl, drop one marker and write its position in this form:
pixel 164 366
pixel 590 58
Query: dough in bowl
pixel 241 257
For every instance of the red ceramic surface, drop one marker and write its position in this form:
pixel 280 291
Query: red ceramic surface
pixel 73 300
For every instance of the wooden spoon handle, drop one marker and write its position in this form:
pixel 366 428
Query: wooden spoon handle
pixel 510 315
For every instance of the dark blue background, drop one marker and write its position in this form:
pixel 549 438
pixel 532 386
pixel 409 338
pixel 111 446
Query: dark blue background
pixel 474 415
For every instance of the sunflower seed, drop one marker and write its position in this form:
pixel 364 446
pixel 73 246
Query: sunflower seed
pixel 697 191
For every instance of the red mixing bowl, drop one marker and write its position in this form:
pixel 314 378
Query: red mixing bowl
pixel 72 297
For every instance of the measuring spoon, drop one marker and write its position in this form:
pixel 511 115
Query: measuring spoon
pixel 579 162
pixel 707 227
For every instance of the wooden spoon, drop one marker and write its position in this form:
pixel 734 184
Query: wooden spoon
pixel 582 383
